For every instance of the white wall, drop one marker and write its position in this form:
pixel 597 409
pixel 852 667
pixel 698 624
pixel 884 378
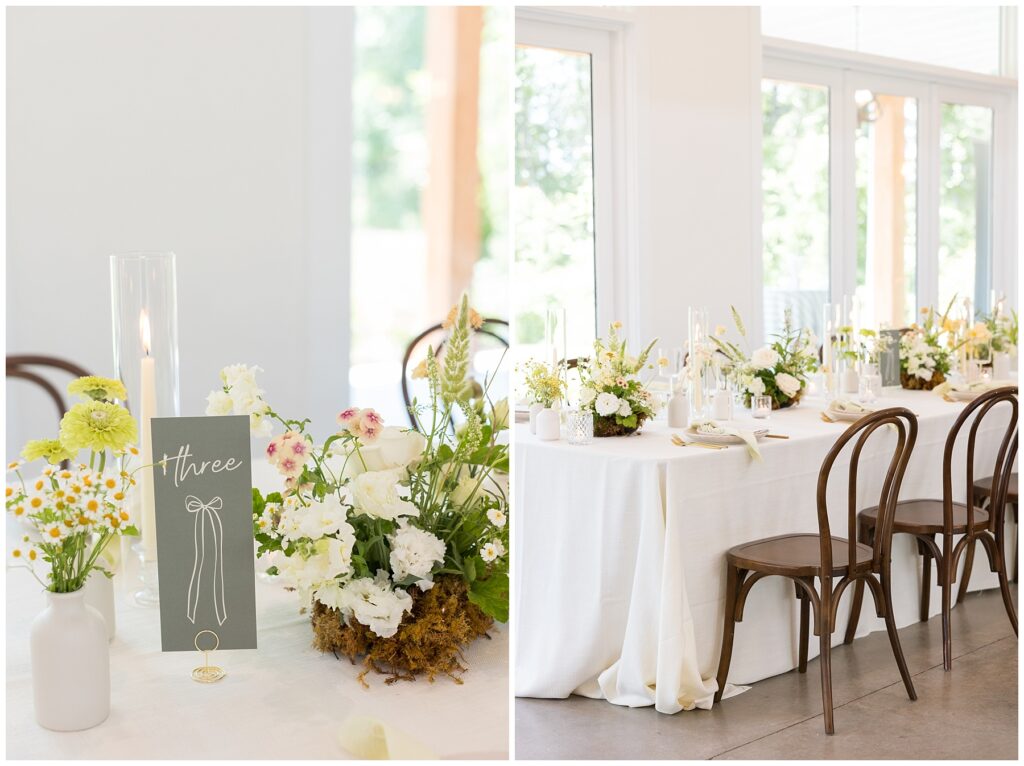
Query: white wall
pixel 192 130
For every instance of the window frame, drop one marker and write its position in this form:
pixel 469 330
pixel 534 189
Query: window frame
pixel 843 72
pixel 614 165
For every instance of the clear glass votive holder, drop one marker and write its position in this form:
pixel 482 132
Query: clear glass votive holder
pixel 761 407
pixel 579 427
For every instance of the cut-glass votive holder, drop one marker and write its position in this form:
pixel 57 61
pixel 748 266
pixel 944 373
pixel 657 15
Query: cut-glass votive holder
pixel 761 407
pixel 579 426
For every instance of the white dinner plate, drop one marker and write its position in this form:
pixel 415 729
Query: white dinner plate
pixel 694 436
pixel 847 416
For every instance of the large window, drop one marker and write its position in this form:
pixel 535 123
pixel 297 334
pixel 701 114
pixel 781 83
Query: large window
pixel 890 185
pixel 431 90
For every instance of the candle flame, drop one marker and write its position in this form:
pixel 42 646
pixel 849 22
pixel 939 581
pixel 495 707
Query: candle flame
pixel 144 331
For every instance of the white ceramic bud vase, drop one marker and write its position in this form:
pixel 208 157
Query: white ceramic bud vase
pixel 70 664
pixel 1000 366
pixel 851 382
pixel 99 594
pixel 534 409
pixel 678 411
pixel 548 424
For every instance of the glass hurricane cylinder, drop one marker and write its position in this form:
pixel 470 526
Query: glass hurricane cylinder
pixel 144 302
pixel 700 377
pixel 829 353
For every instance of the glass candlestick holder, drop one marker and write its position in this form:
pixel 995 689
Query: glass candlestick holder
pixel 144 304
pixel 579 426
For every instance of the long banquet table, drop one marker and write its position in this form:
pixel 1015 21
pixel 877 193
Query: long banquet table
pixel 284 700
pixel 620 551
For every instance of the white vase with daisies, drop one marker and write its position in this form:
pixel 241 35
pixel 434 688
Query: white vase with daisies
pixel 74 512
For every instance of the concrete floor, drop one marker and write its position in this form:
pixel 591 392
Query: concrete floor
pixel 970 712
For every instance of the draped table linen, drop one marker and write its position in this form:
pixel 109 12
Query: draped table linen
pixel 283 700
pixel 620 551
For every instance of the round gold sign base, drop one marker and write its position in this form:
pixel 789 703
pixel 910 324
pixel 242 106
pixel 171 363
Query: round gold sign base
pixel 208 674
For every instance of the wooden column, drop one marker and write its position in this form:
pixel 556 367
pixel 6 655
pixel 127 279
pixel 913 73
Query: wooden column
pixel 889 212
pixel 451 211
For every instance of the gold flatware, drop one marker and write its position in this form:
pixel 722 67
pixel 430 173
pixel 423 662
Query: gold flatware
pixel 827 419
pixel 680 443
pixel 775 436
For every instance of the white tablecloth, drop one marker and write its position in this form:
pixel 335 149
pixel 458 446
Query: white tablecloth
pixel 283 700
pixel 620 551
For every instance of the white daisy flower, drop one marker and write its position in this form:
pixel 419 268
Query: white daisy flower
pixel 492 550
pixel 496 517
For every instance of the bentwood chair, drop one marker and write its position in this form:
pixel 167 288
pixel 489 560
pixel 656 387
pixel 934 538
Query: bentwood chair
pixel 27 367
pixel 804 557
pixel 491 328
pixel 925 519
pixel 983 497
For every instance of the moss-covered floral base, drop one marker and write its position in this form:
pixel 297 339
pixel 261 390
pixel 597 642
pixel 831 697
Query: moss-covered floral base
pixel 608 426
pixel 915 383
pixel 429 641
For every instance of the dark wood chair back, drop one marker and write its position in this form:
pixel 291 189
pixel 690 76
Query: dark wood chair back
pixel 26 366
pixel 905 423
pixel 491 328
pixel 979 408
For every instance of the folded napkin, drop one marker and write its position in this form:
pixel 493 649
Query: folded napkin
pixel 370 739
pixel 711 427
pixel 977 387
pixel 846 405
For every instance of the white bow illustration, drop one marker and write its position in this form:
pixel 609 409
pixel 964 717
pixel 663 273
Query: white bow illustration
pixel 207 513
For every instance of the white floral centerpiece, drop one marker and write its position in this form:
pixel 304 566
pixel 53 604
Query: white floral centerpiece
pixel 611 387
pixel 779 370
pixel 396 538
pixel 926 349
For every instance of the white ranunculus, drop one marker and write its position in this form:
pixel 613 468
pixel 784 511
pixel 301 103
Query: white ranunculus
pixel 625 410
pixel 606 404
pixel 377 494
pixel 219 403
pixel 756 386
pixel 787 384
pixel 587 395
pixel 764 358
pixel 375 604
pixel 394 448
pixel 414 552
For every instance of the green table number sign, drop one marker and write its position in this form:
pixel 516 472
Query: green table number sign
pixel 205 555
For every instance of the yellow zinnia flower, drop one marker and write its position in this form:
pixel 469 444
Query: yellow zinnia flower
pixel 93 387
pixel 51 449
pixel 98 425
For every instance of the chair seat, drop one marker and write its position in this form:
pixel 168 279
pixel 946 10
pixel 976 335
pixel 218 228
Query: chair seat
pixel 984 488
pixel 924 517
pixel 796 555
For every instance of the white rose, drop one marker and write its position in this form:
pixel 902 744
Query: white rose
pixel 394 448
pixel 219 403
pixel 756 387
pixel 465 490
pixel 377 494
pixel 606 404
pixel 414 552
pixel 587 395
pixel 764 358
pixel 787 384
pixel 625 410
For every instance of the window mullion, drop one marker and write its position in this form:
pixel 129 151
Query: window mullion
pixel 929 173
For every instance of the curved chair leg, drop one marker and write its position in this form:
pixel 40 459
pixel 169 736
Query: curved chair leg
pixel 946 583
pixel 805 629
pixel 826 672
pixel 858 600
pixel 966 577
pixel 926 580
pixel 732 586
pixel 1004 585
pixel 894 637
pixel 1016 541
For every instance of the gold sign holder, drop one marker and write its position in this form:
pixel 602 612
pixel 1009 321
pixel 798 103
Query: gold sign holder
pixel 207 673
